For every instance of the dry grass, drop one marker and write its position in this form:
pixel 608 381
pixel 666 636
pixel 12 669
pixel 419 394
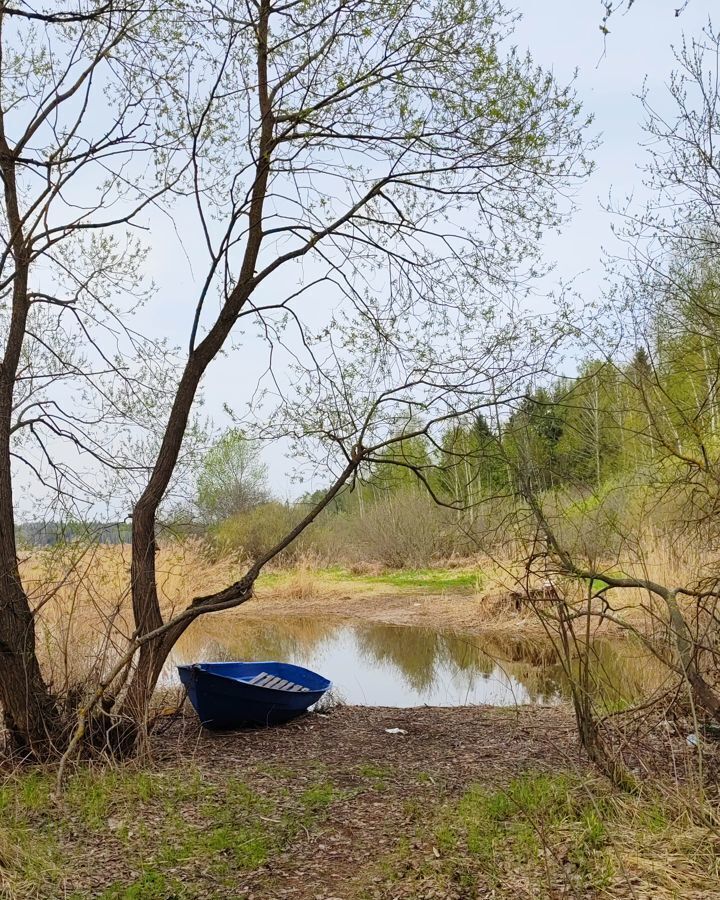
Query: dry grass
pixel 667 842
pixel 81 597
pixel 299 584
pixel 84 617
pixel 674 562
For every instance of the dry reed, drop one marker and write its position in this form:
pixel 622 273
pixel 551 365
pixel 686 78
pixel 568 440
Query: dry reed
pixel 84 618
pixel 81 597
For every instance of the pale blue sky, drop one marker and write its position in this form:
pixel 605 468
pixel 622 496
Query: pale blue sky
pixel 562 35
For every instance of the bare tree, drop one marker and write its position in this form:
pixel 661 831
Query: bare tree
pixel 74 375
pixel 367 185
pixel 667 305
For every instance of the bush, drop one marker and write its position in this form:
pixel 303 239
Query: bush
pixel 252 533
pixel 405 528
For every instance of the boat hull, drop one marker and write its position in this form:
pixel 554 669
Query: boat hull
pixel 223 698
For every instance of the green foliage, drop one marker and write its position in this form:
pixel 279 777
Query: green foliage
pixel 255 531
pixel 471 463
pixel 402 465
pixel 232 480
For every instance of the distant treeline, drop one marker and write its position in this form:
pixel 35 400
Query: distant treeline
pixel 47 534
pixel 632 439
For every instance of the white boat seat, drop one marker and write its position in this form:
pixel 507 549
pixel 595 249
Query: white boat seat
pixel 277 684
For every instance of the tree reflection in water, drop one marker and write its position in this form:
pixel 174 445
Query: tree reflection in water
pixel 380 664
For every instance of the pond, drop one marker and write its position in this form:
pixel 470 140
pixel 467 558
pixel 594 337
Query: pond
pixel 372 664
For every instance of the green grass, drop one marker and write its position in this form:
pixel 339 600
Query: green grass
pixel 599 584
pixel 431 580
pixel 374 771
pixel 434 580
pixel 551 835
pixel 180 834
pixel 319 796
pixel 149 886
pixel 547 832
pixel 169 834
pixel 376 775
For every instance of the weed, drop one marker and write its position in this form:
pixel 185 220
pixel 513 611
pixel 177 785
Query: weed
pixel 374 771
pixel 150 885
pixel 318 796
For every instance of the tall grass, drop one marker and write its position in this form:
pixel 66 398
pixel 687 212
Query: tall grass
pixel 81 597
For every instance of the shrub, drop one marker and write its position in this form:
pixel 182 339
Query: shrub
pixel 405 528
pixel 252 533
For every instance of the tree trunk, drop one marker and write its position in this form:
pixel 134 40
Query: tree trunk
pixel 135 706
pixel 146 605
pixel 30 714
pixel 703 694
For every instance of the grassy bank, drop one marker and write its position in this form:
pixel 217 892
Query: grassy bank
pixel 434 580
pixel 465 804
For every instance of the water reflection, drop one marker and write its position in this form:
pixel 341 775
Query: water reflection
pixel 384 665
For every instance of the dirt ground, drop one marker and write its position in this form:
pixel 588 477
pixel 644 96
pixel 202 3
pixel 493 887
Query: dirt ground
pixel 374 774
pixel 464 611
pixel 359 803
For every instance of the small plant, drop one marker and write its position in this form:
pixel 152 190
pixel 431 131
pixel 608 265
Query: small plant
pixel 318 796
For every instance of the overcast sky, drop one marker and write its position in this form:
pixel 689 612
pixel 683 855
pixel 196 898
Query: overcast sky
pixel 563 35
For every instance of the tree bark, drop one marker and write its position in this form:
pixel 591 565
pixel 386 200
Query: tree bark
pixel 30 713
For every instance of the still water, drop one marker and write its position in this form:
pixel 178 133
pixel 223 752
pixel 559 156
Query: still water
pixel 374 664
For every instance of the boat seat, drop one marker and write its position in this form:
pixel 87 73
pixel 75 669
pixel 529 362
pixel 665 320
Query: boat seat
pixel 277 684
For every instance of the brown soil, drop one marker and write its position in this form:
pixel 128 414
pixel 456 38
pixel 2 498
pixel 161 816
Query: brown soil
pixel 457 610
pixel 442 751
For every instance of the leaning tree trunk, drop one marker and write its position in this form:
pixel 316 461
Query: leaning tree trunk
pixel 131 719
pixel 704 695
pixel 146 605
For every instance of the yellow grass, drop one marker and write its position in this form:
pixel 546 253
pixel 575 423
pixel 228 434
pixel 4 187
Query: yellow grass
pixel 81 596
pixel 682 562
pixel 84 617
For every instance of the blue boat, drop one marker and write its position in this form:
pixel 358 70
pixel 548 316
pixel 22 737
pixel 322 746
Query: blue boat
pixel 232 694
